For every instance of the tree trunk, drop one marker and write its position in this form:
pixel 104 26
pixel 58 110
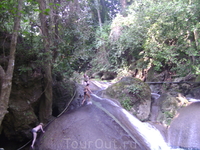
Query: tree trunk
pixel 196 37
pixel 56 30
pixel 8 75
pixel 123 5
pixel 2 74
pixel 98 13
pixel 46 103
pixel 104 11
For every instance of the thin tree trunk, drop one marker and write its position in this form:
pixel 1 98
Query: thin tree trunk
pixel 196 37
pixel 8 75
pixel 46 103
pixel 104 12
pixel 2 74
pixel 123 5
pixel 99 14
pixel 56 31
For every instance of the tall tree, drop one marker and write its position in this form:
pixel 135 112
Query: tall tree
pixel 46 103
pixel 56 31
pixel 123 5
pixel 7 75
pixel 98 12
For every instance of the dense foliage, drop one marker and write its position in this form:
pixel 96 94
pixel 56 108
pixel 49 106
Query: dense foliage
pixel 165 33
pixel 97 34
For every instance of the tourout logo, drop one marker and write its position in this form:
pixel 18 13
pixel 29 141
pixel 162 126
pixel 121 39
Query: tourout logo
pixel 98 144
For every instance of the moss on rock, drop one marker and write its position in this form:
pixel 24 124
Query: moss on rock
pixel 169 106
pixel 133 94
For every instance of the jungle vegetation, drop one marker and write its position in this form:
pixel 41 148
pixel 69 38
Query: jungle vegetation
pixel 68 36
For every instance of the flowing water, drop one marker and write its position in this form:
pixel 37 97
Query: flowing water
pixel 150 136
pixel 193 100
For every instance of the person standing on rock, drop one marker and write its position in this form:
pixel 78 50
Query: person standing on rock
pixel 86 79
pixel 86 93
pixel 34 131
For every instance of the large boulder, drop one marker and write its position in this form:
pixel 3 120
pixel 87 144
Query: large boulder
pixel 85 128
pixel 105 75
pixel 184 129
pixel 133 94
pixel 194 93
pixel 23 107
pixel 168 106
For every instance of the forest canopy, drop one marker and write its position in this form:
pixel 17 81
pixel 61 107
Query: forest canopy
pixel 166 33
pixel 108 34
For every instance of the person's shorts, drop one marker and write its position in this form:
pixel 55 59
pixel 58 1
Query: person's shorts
pixel 33 130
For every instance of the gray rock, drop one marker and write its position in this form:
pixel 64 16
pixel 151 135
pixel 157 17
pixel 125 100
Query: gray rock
pixel 184 129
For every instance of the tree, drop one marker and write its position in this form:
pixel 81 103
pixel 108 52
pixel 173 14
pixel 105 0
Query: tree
pixel 123 5
pixel 98 12
pixel 164 33
pixel 46 103
pixel 7 75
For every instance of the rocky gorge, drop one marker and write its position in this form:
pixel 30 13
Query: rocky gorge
pixel 131 93
pixel 97 130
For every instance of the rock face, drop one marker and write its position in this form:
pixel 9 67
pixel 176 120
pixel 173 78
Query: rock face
pixel 105 75
pixel 166 107
pixel 24 100
pixel 62 94
pixel 85 128
pixel 133 94
pixel 184 129
pixel 25 105
pixel 194 93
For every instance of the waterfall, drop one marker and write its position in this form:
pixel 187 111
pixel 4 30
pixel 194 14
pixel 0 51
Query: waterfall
pixel 155 95
pixel 150 136
pixel 193 99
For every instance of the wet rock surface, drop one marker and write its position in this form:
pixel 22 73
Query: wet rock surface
pixel 85 128
pixel 184 129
